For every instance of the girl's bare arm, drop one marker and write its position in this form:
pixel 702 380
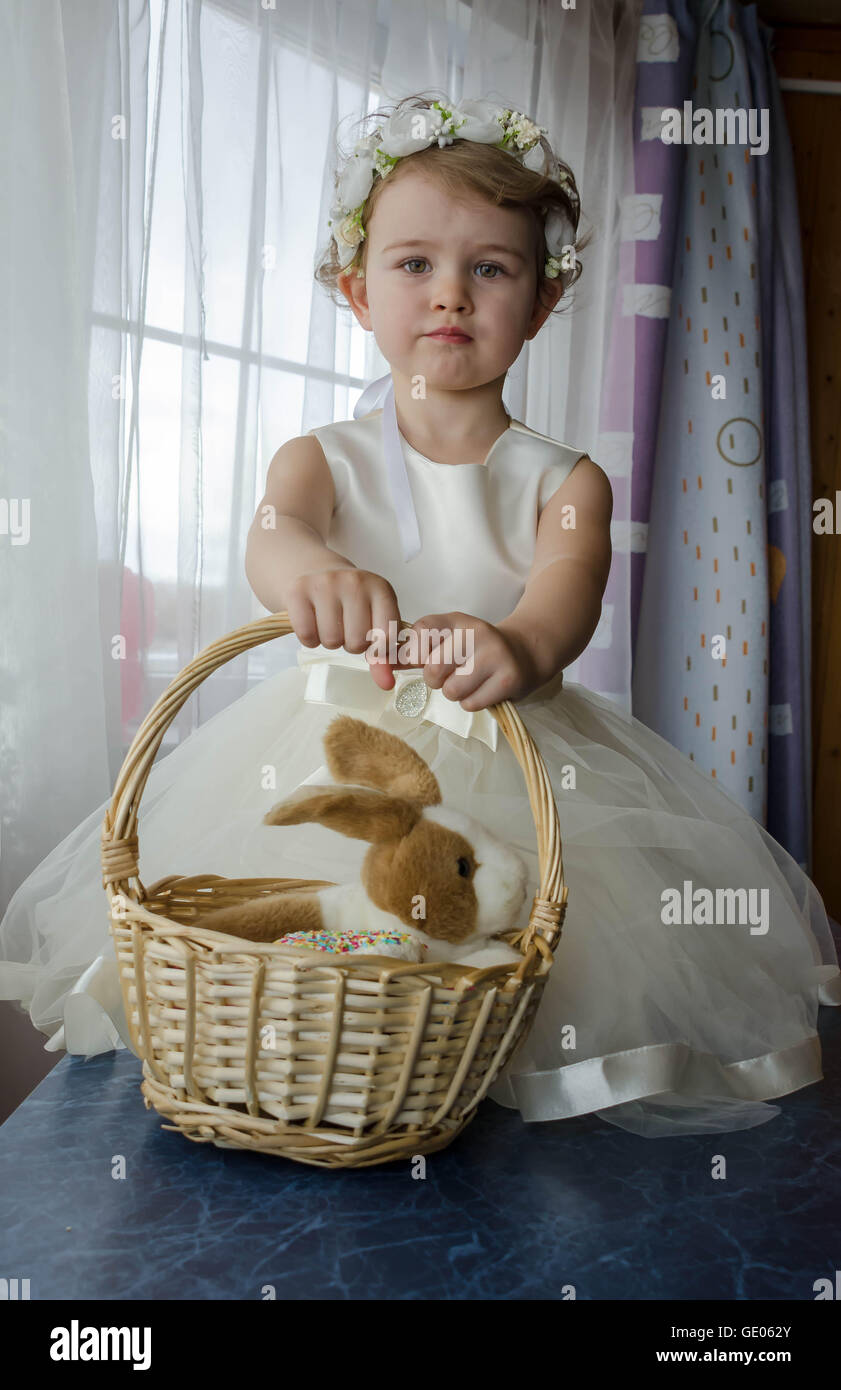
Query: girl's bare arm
pixel 287 536
pixel 560 608
pixel 290 567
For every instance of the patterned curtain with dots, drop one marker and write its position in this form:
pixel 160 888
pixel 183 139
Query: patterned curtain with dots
pixel 711 579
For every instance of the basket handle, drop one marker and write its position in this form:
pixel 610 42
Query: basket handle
pixel 119 847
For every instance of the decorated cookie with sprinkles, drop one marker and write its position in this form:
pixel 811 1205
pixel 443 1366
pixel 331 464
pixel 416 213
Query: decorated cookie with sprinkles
pixel 371 943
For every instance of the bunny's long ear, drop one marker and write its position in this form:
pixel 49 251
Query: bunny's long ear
pixel 367 755
pixel 361 814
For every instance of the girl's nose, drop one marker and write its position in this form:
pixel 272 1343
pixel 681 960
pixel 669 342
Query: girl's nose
pixel 450 294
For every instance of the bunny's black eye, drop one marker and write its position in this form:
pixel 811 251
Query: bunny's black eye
pixel 464 867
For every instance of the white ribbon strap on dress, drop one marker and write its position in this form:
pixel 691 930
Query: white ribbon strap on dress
pixel 381 392
pixel 339 677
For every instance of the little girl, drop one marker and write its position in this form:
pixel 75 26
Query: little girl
pixel 453 237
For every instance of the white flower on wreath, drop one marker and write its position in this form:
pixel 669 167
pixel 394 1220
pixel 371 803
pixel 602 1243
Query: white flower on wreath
pixel 537 160
pixel 557 231
pixel 406 132
pixel 526 134
pixel 348 234
pixel 481 122
pixel 355 182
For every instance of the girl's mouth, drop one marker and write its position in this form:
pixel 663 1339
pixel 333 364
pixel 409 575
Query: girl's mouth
pixel 443 335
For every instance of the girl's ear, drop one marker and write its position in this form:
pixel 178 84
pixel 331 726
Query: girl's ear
pixel 361 814
pixel 546 299
pixel 355 291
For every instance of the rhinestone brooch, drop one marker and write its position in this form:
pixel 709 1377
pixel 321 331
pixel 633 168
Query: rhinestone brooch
pixel 411 699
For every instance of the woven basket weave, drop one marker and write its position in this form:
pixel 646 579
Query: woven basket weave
pixel 332 1060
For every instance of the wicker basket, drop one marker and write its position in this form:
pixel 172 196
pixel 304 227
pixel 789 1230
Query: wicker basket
pixel 331 1060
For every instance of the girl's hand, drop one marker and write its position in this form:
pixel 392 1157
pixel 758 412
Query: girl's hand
pixel 339 607
pixel 502 667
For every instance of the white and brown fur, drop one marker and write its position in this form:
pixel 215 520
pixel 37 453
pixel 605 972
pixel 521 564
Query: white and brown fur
pixel 472 885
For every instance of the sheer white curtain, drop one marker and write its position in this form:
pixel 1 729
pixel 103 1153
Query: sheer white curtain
pixel 167 176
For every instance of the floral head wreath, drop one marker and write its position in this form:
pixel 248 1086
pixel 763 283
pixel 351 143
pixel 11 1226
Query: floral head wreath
pixel 416 128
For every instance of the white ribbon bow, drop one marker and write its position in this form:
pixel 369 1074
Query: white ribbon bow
pixel 339 677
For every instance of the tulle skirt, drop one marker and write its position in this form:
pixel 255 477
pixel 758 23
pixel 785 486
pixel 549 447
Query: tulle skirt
pixel 655 1017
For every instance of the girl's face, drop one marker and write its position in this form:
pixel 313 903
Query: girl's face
pixel 435 262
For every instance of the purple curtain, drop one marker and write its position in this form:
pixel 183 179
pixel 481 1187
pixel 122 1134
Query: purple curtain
pixel 665 61
pixel 730 526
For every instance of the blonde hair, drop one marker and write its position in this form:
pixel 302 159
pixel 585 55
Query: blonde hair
pixel 466 166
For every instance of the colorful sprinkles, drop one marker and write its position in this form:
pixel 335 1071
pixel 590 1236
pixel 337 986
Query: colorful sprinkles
pixel 345 943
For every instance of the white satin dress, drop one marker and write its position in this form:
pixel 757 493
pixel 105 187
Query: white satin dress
pixel 657 1027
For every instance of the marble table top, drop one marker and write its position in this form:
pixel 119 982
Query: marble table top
pixel 509 1210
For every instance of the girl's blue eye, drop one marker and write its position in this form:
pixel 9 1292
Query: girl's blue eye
pixel 414 260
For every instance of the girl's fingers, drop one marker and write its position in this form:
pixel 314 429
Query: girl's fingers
pixel 423 646
pixel 450 675
pixel 460 683
pixel 328 610
pixel 382 674
pixel 383 612
pixel 433 630
pixel 436 670
pixel 484 694
pixel 431 652
pixel 302 616
pixel 356 616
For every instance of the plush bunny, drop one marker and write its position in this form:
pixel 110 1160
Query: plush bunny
pixel 463 884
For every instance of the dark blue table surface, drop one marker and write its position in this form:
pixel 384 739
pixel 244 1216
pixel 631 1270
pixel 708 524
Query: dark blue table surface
pixel 509 1210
